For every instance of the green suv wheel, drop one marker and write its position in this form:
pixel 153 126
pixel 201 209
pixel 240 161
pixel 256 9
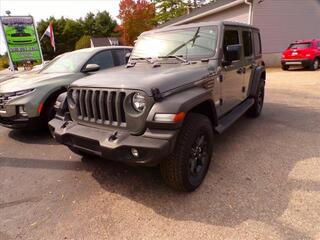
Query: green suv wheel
pixel 187 166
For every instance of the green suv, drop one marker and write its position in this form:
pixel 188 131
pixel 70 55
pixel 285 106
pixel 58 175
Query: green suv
pixel 28 100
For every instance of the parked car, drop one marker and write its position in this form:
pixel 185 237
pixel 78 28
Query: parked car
pixel 302 53
pixel 180 86
pixel 27 101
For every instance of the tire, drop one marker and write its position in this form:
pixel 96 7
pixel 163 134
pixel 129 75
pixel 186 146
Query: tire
pixel 255 110
pixel 315 65
pixel 285 68
pixel 48 112
pixel 187 166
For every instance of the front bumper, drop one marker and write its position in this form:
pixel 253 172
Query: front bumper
pixel 153 146
pixel 10 118
pixel 296 62
pixel 18 122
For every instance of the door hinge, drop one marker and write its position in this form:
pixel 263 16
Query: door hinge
pixel 243 89
pixel 220 78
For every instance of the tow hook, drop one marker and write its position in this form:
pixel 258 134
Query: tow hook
pixel 64 125
pixel 113 137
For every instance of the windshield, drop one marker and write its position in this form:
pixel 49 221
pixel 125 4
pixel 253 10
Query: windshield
pixel 190 43
pixel 66 63
pixel 300 45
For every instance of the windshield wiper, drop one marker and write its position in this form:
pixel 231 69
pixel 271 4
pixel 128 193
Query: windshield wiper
pixel 148 59
pixel 179 57
pixel 193 39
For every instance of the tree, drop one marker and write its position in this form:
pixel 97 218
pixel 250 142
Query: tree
pixel 4 61
pixel 99 25
pixel 136 17
pixel 169 9
pixel 67 32
pixel 83 42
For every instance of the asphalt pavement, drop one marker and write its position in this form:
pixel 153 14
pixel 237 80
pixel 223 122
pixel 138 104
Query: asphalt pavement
pixel 263 183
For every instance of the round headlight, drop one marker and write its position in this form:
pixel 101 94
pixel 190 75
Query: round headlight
pixel 138 102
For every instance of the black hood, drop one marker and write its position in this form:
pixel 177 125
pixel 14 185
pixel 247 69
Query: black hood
pixel 143 76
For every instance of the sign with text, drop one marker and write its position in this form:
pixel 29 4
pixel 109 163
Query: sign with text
pixel 22 39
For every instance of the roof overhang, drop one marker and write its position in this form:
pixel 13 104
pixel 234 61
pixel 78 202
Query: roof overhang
pixel 212 11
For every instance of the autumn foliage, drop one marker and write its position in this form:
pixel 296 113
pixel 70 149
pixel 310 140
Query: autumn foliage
pixel 136 17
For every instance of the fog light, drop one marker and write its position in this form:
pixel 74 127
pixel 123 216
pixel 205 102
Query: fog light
pixel 135 152
pixel 22 112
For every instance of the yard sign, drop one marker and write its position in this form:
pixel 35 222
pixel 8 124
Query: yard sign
pixel 21 38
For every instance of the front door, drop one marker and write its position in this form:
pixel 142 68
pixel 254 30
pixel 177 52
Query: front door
pixel 232 83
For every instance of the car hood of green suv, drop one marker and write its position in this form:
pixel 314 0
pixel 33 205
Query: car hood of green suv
pixel 145 76
pixel 35 80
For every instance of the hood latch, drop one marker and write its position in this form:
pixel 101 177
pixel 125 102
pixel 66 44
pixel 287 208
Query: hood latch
pixel 157 96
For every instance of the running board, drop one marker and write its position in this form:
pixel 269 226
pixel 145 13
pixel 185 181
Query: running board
pixel 226 121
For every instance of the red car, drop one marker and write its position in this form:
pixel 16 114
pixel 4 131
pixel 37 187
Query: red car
pixel 302 53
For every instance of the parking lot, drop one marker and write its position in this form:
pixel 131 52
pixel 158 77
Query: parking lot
pixel 263 183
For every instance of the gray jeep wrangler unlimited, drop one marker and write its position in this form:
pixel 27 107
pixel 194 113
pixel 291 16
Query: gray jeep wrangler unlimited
pixel 181 85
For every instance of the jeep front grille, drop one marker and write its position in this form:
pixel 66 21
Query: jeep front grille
pixel 104 107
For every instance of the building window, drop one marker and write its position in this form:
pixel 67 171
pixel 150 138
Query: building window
pixel 247 43
pixel 257 43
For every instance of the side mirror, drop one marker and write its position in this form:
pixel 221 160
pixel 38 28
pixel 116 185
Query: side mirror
pixel 232 53
pixel 91 68
pixel 128 56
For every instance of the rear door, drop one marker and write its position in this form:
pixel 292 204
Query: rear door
pixel 248 59
pixel 231 87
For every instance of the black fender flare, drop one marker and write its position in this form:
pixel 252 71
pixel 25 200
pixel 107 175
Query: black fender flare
pixel 181 102
pixel 258 76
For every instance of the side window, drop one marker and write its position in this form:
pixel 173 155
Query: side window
pixel 103 59
pixel 120 55
pixel 231 37
pixel 247 43
pixel 257 43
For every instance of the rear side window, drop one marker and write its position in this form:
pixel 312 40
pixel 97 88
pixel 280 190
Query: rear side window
pixel 300 45
pixel 247 43
pixel 120 56
pixel 104 59
pixel 257 43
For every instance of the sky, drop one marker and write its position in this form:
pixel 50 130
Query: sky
pixel 43 9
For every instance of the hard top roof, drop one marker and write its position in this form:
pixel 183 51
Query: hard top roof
pixel 200 24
